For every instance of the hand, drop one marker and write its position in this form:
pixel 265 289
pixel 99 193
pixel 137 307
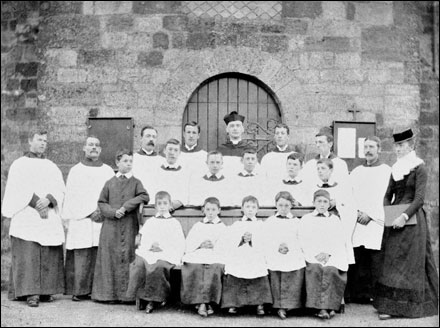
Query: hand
pixel 363 218
pixel 247 237
pixel 155 247
pixel 207 244
pixel 42 203
pixel 96 216
pixel 120 213
pixel 44 212
pixel 399 222
pixel 283 248
pixel 322 257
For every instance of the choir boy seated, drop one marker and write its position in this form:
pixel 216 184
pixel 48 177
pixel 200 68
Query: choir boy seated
pixel 202 268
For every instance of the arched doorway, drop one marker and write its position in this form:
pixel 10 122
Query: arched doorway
pixel 223 93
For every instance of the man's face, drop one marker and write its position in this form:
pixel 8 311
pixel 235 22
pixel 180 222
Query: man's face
pixel 321 204
pixel 323 145
pixel 324 172
pixel 215 163
pixel 172 153
pixel 191 135
pixel 211 211
pixel 250 209
pixel 371 150
pixel 38 143
pixel 249 162
pixel 125 163
pixel 281 137
pixel 92 148
pixel 148 140
pixel 293 167
pixel 283 206
pixel 235 129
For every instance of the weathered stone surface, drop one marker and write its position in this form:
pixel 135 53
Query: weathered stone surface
pixel 119 23
pixel 351 11
pixel 371 104
pixel 178 40
pixel 24 114
pixel 374 13
pixel 426 132
pixel 330 43
pixel 148 24
pixel 348 60
pixel 334 10
pixel 102 75
pixel 300 9
pixel 71 75
pixel 274 43
pixel 29 85
pixel 161 40
pixel 156 7
pixel 114 40
pixel 175 23
pixel 112 7
pixel 197 40
pixel 63 57
pixel 120 99
pixel 295 26
pixel 61 7
pixel 321 60
pixel 96 57
pixel 72 94
pixel 27 69
pixel 152 58
pixel 429 118
pixel 273 28
pixel 381 43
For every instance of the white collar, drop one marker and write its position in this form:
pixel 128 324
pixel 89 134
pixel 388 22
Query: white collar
pixel 127 175
pixel 297 179
pixel 215 220
pixel 289 215
pixel 171 166
pixel 218 175
pixel 245 218
pixel 326 214
pixel 244 172
pixel 283 148
pixel 404 165
pixel 166 215
pixel 330 182
pixel 234 142
pixel 190 148
pixel 147 152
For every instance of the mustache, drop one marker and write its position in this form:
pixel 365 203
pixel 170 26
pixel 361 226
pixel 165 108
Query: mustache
pixel 151 143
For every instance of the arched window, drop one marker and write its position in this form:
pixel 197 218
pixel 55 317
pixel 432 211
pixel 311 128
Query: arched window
pixel 227 92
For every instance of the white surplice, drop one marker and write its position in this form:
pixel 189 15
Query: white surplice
pixel 26 177
pixel 83 187
pixel 144 168
pixel 273 164
pixel 277 231
pixel 369 186
pixel 168 233
pixel 200 188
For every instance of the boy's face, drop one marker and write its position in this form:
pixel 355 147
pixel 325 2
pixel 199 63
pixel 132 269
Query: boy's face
pixel 283 206
pixel 249 162
pixel 281 136
pixel 321 204
pixel 293 167
pixel 191 135
pixel 125 163
pixel 172 153
pixel 38 143
pixel 211 210
pixel 250 209
pixel 215 163
pixel 163 205
pixel 324 172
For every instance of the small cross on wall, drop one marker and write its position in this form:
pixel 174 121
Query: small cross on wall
pixel 354 111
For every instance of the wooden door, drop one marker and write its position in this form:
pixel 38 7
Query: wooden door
pixel 224 93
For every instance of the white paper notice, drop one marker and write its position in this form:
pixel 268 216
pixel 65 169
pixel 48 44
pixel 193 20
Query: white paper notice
pixel 347 142
pixel 361 142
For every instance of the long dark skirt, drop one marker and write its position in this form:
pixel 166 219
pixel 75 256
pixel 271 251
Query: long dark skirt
pixel 201 283
pixel 362 275
pixel 408 282
pixel 238 292
pixel 80 266
pixel 157 286
pixel 324 286
pixel 36 269
pixel 287 289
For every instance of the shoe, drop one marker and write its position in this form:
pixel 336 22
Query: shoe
pixel 383 316
pixel 260 310
pixel 282 314
pixel 33 301
pixel 149 308
pixel 76 298
pixel 323 314
pixel 232 310
pixel 202 310
pixel 46 298
pixel 332 313
pixel 209 310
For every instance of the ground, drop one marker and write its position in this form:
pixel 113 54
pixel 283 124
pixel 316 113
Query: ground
pixel 64 312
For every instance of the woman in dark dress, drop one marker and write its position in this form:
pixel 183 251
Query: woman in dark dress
pixel 408 279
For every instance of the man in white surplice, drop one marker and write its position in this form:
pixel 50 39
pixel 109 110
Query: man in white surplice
pixel 80 212
pixel 369 182
pixel 34 192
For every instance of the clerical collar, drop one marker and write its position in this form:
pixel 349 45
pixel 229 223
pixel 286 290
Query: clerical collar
pixel 288 216
pixel 89 162
pixel 235 143
pixel 378 162
pixel 316 213
pixel 167 215
pixel 127 175
pixel 329 184
pixel 245 173
pixel 216 220
pixel 190 148
pixel 245 218
pixel 330 156
pixel 282 149
pixel 143 152
pixel 34 155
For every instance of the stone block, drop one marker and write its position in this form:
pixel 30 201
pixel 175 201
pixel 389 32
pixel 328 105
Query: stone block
pixel 63 57
pixel 341 76
pixel 332 44
pixel 302 9
pixel 152 58
pixel 429 118
pixel 119 23
pixel 113 7
pixel 426 132
pixel 401 89
pixel 200 40
pixel 161 40
pixel 429 90
pixel 205 25
pixel 225 39
pixel 96 57
pixel 102 75
pixel 120 99
pixel 250 40
pixel 351 11
pixel 24 114
pixel 149 24
pixel 372 90
pixel 348 60
pixel 88 7
pixel 334 28
pixel 381 43
pixel 29 85
pixel 402 110
pixel 369 104
pixel 114 40
pixel 295 26
pixel 273 28
pixel 374 13
pixel 334 10
pixel 72 94
pixel 71 75
pixel 178 40
pixel 31 53
pixel 413 73
pixel 12 84
pixel 27 69
pixel 175 23
pixel 321 60
pixel 309 76
pixel 140 42
pixel 274 43
pixel 336 105
pixel 31 101
pixel 61 7
pixel 156 7
pixel 378 76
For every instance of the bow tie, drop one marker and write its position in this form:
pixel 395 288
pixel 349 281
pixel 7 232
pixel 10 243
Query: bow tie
pixel 326 185
pixel 212 178
pixel 169 168
pixel 161 217
pixel 282 216
pixel 246 175
pixel 209 222
pixel 320 215
pixel 248 219
pixel 291 182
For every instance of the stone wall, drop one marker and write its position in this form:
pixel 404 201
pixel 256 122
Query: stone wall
pixel 66 61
